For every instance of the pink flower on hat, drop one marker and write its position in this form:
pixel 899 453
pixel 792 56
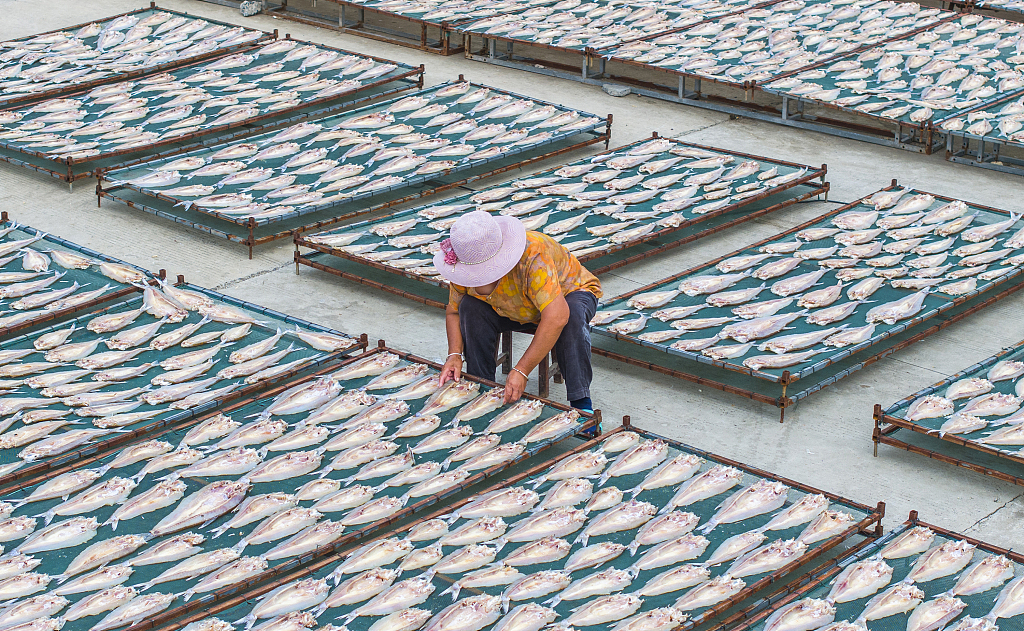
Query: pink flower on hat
pixel 481 249
pixel 450 257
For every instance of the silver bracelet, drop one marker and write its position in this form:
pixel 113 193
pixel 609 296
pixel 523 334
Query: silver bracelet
pixel 459 354
pixel 526 376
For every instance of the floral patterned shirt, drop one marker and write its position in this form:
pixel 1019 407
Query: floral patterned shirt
pixel 545 271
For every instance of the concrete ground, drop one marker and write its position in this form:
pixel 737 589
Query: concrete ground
pixel 826 439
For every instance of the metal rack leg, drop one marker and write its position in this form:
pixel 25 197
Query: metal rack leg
pixel 542 378
pixel 506 350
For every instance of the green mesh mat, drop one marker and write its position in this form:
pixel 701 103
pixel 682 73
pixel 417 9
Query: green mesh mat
pixel 204 99
pixel 907 97
pixel 976 605
pixel 937 303
pixel 90 279
pixel 985 462
pixel 575 25
pixel 354 192
pixel 55 561
pixel 980 371
pixel 437 12
pixel 91 52
pixel 659 497
pixel 761 43
pixel 404 242
pixel 268 322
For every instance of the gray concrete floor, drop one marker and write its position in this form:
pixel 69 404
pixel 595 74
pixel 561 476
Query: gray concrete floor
pixel 826 439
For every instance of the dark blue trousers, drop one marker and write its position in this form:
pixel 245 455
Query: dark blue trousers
pixel 482 328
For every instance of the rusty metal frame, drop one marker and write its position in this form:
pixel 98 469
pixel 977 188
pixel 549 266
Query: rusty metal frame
pixel 904 135
pixel 580 72
pixel 29 476
pixel 65 170
pixel 63 313
pixel 329 553
pixel 783 574
pixel 787 378
pixel 250 225
pixel 887 425
pixel 37 96
pixel 416 40
pixel 929 136
pixel 821 188
pixel 242 221
pixel 1010 15
pixel 752 616
pixel 746 86
pixel 489 54
pixel 780 402
pixel 226 598
pixel 972 148
pixel 33 473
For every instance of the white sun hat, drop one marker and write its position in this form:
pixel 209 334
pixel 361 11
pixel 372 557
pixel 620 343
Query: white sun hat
pixel 481 249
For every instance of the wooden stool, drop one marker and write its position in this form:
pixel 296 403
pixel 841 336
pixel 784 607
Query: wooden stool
pixel 547 369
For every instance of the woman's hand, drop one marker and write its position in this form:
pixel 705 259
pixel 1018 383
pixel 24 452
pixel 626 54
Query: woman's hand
pixel 515 385
pixel 452 369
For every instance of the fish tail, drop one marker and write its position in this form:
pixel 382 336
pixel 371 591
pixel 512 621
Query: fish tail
pixel 445 464
pixel 327 470
pixel 552 602
pixel 144 586
pixel 505 600
pixel 604 478
pixel 240 546
pixel 60 578
pixel 319 610
pixel 219 530
pixel 47 516
pixel 450 590
pixel 633 547
pixel 334 576
pixel 405 499
pixel 499 544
